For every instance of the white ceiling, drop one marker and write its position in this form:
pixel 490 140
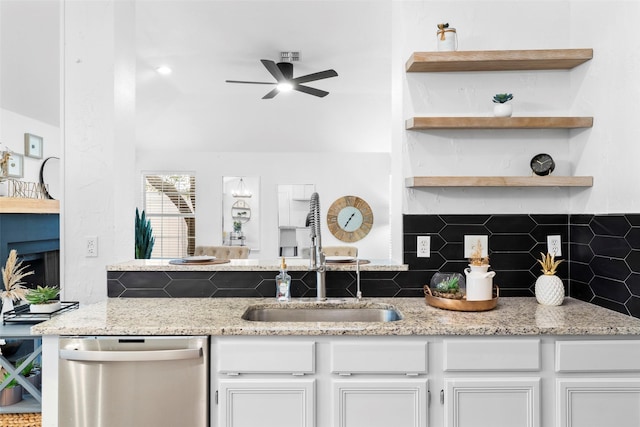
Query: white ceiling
pixel 30 59
pixel 207 42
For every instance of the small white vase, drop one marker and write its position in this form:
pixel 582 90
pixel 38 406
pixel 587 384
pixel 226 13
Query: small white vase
pixel 502 110
pixel 7 305
pixel 479 283
pixel 447 40
pixel 549 290
pixel 45 308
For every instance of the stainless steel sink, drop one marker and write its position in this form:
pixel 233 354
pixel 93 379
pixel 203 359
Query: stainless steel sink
pixel 321 314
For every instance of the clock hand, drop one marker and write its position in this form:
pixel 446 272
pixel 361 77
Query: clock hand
pixel 347 223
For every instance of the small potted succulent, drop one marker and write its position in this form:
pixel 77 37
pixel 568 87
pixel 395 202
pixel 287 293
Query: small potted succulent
pixel 43 299
pixel 12 393
pixel 502 108
pixel 448 285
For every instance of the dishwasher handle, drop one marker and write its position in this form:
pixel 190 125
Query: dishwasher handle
pixel 131 356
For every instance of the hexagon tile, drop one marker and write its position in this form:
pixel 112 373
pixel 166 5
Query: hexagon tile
pixel 603 252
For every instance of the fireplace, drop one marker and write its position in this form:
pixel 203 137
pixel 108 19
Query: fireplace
pixel 36 237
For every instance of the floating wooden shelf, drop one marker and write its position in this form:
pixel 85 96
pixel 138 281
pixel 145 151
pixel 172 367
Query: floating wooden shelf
pixel 498 60
pixel 422 123
pixel 37 206
pixel 499 181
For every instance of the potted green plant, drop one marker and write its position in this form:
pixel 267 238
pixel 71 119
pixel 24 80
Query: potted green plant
pixel 12 393
pixel 31 372
pixel 43 299
pixel 502 109
pixel 144 239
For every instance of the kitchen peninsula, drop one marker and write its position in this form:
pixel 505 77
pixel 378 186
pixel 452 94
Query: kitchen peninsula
pixel 548 363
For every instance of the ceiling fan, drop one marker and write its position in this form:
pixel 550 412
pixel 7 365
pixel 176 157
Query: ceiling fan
pixel 283 73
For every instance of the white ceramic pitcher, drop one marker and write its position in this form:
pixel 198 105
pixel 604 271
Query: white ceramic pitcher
pixel 479 283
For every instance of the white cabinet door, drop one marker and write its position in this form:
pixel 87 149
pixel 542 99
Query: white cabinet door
pixel 271 403
pixel 492 402
pixel 597 402
pixel 380 403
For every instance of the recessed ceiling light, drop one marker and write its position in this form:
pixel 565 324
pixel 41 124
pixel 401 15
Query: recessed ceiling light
pixel 164 70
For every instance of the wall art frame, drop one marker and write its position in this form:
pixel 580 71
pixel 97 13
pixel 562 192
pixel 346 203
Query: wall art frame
pixel 33 145
pixel 15 168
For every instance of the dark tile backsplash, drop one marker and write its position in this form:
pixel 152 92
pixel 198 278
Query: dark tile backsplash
pixel 603 254
pixel 515 243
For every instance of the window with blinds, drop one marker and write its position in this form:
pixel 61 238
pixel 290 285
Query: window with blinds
pixel 170 205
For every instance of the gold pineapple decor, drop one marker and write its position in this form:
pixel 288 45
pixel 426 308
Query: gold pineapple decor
pixel 549 289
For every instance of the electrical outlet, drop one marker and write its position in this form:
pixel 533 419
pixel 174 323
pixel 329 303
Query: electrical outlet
pixel 424 246
pixel 554 245
pixel 91 247
pixel 475 244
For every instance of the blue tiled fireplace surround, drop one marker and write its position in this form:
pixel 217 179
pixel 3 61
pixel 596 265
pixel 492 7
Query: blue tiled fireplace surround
pixel 602 254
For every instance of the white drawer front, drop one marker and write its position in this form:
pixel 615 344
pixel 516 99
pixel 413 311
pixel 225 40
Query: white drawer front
pixel 600 356
pixel 266 357
pixel 381 358
pixel 492 355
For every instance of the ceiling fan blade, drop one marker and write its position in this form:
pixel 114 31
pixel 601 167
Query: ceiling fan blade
pixel 311 90
pixel 252 83
pixel 271 94
pixel 273 69
pixel 315 76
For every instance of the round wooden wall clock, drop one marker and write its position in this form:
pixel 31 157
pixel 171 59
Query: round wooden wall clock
pixel 349 218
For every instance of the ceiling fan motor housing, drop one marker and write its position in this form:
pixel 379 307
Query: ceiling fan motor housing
pixel 287 69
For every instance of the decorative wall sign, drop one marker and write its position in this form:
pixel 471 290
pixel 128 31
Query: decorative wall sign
pixel 33 146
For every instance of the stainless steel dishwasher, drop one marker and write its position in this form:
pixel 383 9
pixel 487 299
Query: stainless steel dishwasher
pixel 108 381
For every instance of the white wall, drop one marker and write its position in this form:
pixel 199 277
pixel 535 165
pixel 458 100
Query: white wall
pixel 99 153
pixel 13 126
pixel 605 88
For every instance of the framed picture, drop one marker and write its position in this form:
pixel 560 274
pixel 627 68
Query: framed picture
pixel 33 145
pixel 15 169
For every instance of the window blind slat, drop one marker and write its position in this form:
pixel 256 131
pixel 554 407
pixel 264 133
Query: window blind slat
pixel 169 201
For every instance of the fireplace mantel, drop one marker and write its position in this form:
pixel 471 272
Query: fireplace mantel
pixel 36 206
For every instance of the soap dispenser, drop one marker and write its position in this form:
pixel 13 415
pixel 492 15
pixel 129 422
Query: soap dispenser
pixel 283 283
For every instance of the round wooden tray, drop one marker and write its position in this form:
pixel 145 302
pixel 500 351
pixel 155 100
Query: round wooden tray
pixel 461 304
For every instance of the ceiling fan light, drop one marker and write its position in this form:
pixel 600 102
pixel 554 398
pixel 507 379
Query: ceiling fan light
pixel 164 70
pixel 284 87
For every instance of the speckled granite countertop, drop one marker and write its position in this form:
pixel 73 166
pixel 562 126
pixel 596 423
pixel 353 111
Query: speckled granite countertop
pixel 293 264
pixel 222 316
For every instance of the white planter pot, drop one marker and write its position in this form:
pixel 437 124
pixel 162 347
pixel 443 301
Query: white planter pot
pixel 45 308
pixel 7 304
pixel 502 110
pixel 549 290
